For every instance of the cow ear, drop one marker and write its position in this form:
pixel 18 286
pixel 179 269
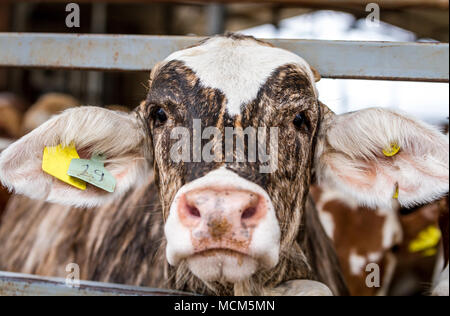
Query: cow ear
pixel 378 155
pixel 118 136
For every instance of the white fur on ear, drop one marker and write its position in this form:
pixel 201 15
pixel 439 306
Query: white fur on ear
pixel 118 136
pixel 350 157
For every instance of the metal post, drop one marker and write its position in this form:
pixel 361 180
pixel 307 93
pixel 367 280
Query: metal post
pixel 21 12
pixel 95 79
pixel 5 11
pixel 215 19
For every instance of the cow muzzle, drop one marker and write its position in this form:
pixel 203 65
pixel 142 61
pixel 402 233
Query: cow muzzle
pixel 224 227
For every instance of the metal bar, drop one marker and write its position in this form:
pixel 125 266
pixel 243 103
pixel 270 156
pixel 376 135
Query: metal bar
pixel 5 13
pixel 95 79
pixel 391 4
pixel 215 19
pixel 14 284
pixel 21 13
pixel 333 59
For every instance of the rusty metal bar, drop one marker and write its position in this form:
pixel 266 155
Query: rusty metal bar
pixel 333 59
pixel 387 4
pixel 14 284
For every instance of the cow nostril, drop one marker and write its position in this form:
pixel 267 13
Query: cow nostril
pixel 193 211
pixel 249 212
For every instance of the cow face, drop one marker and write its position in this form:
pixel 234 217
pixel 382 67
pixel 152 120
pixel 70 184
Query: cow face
pixel 228 217
pixel 223 215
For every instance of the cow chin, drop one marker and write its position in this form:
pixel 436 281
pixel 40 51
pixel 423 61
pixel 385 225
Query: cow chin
pixel 222 266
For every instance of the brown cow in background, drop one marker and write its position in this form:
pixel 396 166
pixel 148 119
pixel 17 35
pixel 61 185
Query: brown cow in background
pixel 418 253
pixel 403 242
pixel 45 107
pixel 361 236
pixel 12 108
pixel 11 114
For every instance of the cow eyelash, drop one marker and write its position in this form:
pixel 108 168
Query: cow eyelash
pixel 159 116
pixel 301 122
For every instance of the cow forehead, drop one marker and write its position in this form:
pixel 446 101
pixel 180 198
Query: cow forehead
pixel 237 67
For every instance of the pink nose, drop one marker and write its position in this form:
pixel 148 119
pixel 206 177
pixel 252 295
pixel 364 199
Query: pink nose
pixel 221 218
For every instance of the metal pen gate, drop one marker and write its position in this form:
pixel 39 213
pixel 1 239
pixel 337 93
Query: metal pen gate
pixel 426 62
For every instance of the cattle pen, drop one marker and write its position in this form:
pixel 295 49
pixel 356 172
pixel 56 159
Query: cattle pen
pixel 393 61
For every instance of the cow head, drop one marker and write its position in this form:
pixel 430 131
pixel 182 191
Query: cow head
pixel 225 217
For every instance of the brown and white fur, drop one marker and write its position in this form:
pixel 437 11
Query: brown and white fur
pixel 364 236
pixel 225 81
pixel 361 236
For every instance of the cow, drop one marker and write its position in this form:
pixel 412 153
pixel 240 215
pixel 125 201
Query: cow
pixel 225 225
pixel 401 242
pixel 418 253
pixel 362 237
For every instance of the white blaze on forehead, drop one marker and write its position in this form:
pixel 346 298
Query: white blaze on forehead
pixel 238 68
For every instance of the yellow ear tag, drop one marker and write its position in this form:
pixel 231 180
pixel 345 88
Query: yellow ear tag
pixel 56 162
pixel 395 196
pixel 392 150
pixel 426 241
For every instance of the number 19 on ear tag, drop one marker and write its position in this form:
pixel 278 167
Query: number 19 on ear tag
pixel 93 171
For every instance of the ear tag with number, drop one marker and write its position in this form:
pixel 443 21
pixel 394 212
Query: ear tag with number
pixel 56 161
pixel 393 150
pixel 93 171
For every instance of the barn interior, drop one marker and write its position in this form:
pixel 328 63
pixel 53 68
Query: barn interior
pixel 424 21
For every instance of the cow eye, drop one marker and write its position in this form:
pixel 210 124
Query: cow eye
pixel 159 116
pixel 300 121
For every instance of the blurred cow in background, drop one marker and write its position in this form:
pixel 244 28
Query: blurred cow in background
pixel 409 245
pixel 403 242
pixel 417 255
pixel 361 236
pixel 12 108
pixel 11 114
pixel 46 106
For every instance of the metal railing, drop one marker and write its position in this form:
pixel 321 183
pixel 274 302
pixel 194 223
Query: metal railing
pixel 333 59
pixel 14 284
